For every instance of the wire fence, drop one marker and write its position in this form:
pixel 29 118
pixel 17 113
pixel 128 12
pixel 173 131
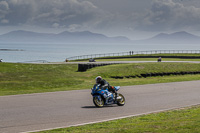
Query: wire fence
pixel 134 53
pixel 36 61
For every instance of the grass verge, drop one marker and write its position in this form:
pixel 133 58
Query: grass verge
pixel 36 78
pixel 151 57
pixel 145 59
pixel 176 121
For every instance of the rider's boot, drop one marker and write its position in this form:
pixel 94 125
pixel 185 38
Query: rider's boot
pixel 116 95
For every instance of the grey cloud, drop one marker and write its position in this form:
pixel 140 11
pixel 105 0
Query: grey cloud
pixel 4 10
pixel 168 15
pixel 48 13
pixel 4 6
pixel 18 12
pixel 113 16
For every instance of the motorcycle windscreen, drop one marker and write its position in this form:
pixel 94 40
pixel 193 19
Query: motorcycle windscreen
pixel 117 88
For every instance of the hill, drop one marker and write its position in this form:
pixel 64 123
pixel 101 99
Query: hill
pixel 64 37
pixel 174 38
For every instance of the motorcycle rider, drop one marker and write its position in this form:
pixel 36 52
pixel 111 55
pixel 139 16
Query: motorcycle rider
pixel 104 84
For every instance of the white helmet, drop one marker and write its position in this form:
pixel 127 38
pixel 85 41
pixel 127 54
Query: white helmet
pixel 98 78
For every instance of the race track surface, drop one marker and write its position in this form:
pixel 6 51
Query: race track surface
pixel 33 112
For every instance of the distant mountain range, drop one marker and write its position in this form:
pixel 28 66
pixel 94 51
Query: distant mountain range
pixel 89 37
pixel 181 37
pixel 64 37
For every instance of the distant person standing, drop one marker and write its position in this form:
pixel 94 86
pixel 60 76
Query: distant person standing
pixel 159 59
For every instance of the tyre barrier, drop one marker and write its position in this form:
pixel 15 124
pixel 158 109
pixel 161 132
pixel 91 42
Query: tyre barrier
pixel 85 67
pixel 156 74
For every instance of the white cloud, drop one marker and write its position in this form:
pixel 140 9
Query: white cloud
pixel 55 25
pixel 74 27
pixel 4 21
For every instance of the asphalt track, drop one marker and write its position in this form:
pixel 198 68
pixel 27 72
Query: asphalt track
pixel 34 112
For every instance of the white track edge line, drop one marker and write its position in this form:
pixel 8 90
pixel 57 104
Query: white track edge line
pixel 152 112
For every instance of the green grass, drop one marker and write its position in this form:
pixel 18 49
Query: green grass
pixel 159 55
pixel 170 54
pixel 143 68
pixel 138 59
pixel 141 57
pixel 144 59
pixel 176 121
pixel 36 78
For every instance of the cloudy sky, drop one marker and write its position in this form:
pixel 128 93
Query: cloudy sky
pixel 136 19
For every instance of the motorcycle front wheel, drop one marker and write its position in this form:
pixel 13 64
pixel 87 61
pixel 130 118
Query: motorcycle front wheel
pixel 121 101
pixel 98 101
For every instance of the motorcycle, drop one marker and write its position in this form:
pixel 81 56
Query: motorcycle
pixel 103 97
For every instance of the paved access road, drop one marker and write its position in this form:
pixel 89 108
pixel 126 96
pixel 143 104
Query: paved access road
pixel 22 113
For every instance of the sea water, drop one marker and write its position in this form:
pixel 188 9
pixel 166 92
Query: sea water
pixel 33 52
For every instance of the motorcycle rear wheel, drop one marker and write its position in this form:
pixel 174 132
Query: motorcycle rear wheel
pixel 121 101
pixel 98 102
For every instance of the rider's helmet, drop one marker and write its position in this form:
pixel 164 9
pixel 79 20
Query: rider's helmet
pixel 98 79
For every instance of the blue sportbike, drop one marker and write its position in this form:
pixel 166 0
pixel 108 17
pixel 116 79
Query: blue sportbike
pixel 103 97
